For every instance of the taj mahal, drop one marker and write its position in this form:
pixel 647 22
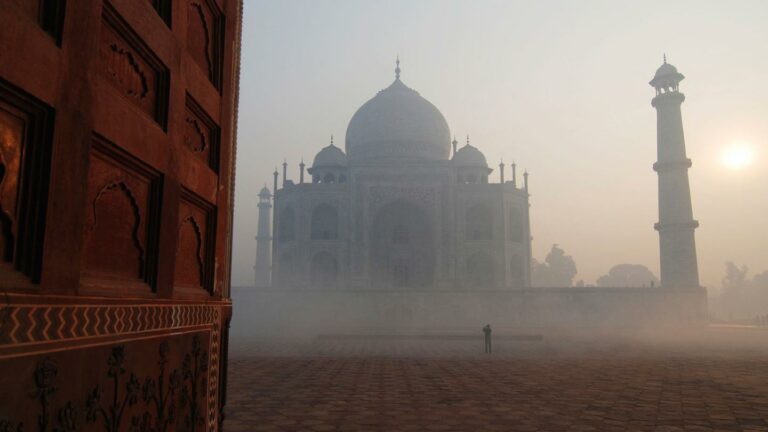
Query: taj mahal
pixel 401 206
pixel 403 227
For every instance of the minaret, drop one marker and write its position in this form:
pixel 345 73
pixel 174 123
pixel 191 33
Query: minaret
pixel 261 270
pixel 514 174
pixel 676 224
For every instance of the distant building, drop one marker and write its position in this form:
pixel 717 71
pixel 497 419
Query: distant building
pixel 403 207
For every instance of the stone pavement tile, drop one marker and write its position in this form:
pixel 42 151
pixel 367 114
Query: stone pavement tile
pixel 443 387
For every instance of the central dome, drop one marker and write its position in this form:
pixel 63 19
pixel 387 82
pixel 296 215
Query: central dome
pixel 398 124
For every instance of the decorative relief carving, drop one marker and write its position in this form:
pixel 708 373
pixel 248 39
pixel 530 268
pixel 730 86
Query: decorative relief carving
pixel 161 397
pixel 25 140
pixel 204 37
pixel 39 327
pixel 112 416
pixel 194 369
pixel 201 134
pixel 190 252
pixel 195 139
pixel 27 324
pixel 120 227
pixel 126 71
pixel 205 33
pixel 175 400
pixel 117 220
pixel 194 247
pixel 131 67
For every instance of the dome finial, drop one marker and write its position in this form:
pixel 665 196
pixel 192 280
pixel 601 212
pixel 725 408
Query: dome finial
pixel 397 67
pixel 665 58
pixel 331 140
pixel 467 139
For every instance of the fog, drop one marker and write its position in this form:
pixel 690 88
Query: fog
pixel 560 88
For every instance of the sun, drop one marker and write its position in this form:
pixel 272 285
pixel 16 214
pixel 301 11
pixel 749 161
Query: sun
pixel 738 156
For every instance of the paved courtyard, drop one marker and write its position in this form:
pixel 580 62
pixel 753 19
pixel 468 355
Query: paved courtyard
pixel 433 385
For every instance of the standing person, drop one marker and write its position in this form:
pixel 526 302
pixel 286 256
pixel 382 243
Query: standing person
pixel 487 332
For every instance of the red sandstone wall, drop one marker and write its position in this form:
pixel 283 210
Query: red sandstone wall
pixel 117 143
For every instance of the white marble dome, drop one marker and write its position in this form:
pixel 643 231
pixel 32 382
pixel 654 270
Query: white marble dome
pixel 469 156
pixel 330 156
pixel 398 124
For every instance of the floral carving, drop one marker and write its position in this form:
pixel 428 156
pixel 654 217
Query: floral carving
pixel 158 396
pixel 112 416
pixel 163 396
pixel 194 368
pixel 68 418
pixel 45 373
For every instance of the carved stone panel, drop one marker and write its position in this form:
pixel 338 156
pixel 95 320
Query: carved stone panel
pixel 25 141
pixel 163 375
pixel 194 248
pixel 121 216
pixel 130 66
pixel 205 28
pixel 201 134
pixel 12 124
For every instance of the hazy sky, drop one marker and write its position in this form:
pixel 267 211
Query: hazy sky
pixel 560 87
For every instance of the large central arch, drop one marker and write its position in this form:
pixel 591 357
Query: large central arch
pixel 402 247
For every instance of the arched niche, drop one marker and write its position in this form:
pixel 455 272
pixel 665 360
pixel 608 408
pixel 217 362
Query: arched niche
pixel 515 223
pixel 325 223
pixel 402 250
pixel 479 222
pixel 287 225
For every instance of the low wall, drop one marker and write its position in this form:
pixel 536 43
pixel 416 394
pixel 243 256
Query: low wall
pixel 264 312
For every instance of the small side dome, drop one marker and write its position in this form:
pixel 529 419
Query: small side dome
pixel 666 78
pixel 469 156
pixel 665 70
pixel 330 156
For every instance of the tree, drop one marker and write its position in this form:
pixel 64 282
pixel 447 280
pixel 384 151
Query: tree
pixel 628 275
pixel 558 269
pixel 735 279
pixel 741 297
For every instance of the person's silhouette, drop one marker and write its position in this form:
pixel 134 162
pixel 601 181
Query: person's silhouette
pixel 487 332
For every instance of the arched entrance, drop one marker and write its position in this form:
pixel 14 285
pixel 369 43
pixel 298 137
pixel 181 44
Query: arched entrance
pixel 402 249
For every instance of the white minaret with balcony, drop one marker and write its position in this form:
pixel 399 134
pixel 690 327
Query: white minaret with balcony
pixel 262 268
pixel 679 268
